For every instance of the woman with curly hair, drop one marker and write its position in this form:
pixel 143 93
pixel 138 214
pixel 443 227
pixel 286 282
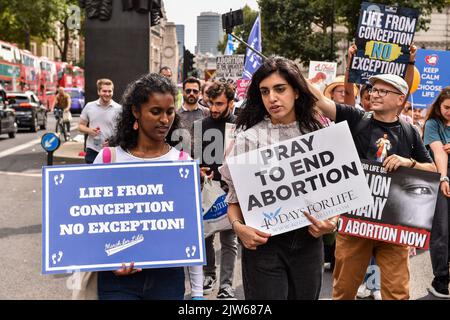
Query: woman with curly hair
pixel 279 106
pixel 148 118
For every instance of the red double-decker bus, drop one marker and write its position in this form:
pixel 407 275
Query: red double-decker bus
pixel 10 61
pixel 65 74
pixel 22 71
pixel 78 74
pixel 30 73
pixel 48 82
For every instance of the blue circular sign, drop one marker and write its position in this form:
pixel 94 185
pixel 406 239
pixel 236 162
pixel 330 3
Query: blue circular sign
pixel 50 142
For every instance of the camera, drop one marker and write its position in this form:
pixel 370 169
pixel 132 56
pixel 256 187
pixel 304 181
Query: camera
pixel 232 19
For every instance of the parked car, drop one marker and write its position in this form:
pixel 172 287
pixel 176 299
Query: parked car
pixel 30 112
pixel 8 123
pixel 77 98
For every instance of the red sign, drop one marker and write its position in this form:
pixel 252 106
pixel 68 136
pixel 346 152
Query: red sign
pixel 241 88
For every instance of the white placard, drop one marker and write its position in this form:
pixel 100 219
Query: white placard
pixel 319 173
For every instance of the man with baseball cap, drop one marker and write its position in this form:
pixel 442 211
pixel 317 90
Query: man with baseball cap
pixel 387 95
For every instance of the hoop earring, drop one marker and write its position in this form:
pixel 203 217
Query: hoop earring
pixel 136 125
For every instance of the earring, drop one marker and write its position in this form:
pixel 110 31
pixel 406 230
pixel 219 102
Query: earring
pixel 135 125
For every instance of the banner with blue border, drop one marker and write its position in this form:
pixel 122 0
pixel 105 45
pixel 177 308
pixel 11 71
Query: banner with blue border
pixel 97 217
pixel 433 66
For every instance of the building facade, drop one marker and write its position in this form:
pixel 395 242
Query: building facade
pixel 209 32
pixel 164 47
pixel 180 37
pixel 437 37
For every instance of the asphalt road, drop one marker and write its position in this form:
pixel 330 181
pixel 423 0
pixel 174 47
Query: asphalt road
pixel 21 160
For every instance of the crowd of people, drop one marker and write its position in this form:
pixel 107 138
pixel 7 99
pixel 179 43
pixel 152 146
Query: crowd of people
pixel 282 104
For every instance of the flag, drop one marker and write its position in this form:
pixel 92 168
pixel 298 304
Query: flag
pixel 229 49
pixel 252 60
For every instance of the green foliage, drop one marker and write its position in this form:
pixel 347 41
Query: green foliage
pixel 298 29
pixel 348 11
pixel 301 29
pixel 22 20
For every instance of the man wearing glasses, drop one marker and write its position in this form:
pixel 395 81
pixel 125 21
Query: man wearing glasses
pixel 387 96
pixel 191 110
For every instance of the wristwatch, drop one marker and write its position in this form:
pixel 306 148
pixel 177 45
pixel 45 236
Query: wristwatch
pixel 442 179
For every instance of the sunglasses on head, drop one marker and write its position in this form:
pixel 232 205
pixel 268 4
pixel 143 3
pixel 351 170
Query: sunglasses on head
pixel 188 91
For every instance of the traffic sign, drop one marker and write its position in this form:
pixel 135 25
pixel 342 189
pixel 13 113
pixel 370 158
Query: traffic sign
pixel 50 142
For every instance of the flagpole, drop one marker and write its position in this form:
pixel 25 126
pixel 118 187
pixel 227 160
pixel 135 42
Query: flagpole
pixel 248 46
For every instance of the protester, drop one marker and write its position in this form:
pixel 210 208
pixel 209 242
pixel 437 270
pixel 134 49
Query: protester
pixel 98 119
pixel 279 106
pixel 147 118
pixel 407 109
pixel 63 102
pixel 336 90
pixel 191 110
pixel 437 138
pixel 363 290
pixel 353 254
pixel 210 152
pixel 203 101
pixel 166 72
pixel 418 119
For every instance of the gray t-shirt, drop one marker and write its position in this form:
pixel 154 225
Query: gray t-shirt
pixel 189 117
pixel 101 117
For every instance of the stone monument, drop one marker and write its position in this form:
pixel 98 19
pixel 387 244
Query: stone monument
pixel 117 37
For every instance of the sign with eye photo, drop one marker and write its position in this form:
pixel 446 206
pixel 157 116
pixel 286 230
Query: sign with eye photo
pixel 402 210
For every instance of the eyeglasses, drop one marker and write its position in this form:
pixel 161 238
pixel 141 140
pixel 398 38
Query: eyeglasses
pixel 339 91
pixel 218 104
pixel 188 91
pixel 382 92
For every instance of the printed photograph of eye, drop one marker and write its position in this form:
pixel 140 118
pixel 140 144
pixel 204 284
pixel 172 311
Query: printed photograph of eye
pixel 412 199
pixel 418 190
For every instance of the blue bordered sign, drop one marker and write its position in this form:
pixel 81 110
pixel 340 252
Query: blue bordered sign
pixel 99 216
pixel 50 142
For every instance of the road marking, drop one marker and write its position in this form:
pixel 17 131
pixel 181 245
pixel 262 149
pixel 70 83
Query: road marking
pixel 24 146
pixel 21 174
pixel 19 148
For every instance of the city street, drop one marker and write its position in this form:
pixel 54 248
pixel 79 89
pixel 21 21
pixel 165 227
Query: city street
pixel 21 160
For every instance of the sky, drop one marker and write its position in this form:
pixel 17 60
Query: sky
pixel 186 12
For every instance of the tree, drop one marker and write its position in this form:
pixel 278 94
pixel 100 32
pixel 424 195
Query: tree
pixel 68 24
pixel 188 64
pixel 241 32
pixel 298 29
pixel 348 11
pixel 302 29
pixel 21 20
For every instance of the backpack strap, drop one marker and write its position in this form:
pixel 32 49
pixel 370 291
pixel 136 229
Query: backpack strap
pixel 363 123
pixel 408 129
pixel 182 156
pixel 109 155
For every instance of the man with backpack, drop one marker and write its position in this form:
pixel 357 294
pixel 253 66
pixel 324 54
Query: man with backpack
pixel 406 149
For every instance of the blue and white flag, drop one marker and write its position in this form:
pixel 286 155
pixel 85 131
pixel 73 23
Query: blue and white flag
pixel 229 49
pixel 253 61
